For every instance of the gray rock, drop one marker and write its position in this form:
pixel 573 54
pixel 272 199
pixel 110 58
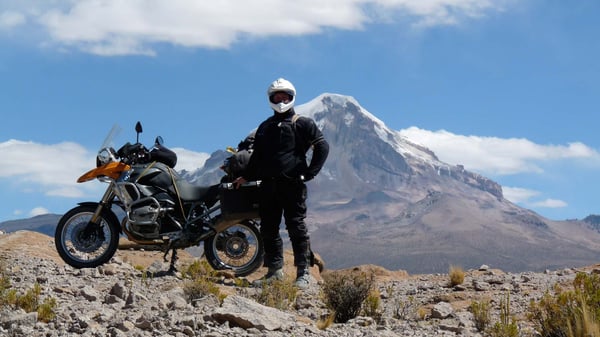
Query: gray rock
pixel 442 310
pixel 119 290
pixel 121 302
pixel 19 318
pixel 246 313
pixel 89 293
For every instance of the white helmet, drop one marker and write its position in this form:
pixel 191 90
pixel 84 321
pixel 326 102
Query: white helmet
pixel 282 85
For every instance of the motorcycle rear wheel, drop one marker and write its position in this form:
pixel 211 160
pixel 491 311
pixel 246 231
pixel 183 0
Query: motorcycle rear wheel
pixel 83 244
pixel 239 249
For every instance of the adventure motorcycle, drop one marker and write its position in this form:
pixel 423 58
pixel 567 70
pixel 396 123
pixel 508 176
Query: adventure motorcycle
pixel 160 209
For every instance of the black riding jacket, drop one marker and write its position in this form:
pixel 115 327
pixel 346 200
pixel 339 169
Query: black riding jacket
pixel 280 147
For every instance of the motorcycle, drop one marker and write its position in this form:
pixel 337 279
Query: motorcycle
pixel 160 209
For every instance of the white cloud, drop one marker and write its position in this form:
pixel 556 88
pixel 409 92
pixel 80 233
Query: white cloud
pixel 497 156
pixel 441 12
pixel 114 27
pixel 38 211
pixel 526 197
pixel 518 194
pixel 550 203
pixel 54 168
pixel 11 19
pixel 189 160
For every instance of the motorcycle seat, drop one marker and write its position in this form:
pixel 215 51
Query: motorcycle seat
pixel 191 192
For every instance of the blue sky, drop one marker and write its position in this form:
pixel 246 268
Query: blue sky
pixel 510 89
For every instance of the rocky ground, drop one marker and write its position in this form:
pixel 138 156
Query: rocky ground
pixel 117 299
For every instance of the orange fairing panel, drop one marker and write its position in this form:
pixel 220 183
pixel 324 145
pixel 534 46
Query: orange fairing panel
pixel 112 170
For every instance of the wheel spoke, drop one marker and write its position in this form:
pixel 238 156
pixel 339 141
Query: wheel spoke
pixel 236 248
pixel 82 243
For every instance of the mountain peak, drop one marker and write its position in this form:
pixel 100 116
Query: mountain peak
pixel 348 111
pixel 326 101
pixel 397 205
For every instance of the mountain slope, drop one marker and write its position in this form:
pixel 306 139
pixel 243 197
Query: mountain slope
pixel 385 200
pixel 45 224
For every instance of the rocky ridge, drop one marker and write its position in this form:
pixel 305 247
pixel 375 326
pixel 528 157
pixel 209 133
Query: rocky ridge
pixel 117 300
pixel 383 199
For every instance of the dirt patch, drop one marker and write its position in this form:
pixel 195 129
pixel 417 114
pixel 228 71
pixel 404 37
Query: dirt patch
pixel 30 243
pixel 42 246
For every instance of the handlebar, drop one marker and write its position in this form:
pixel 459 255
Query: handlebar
pixel 231 186
pixel 133 153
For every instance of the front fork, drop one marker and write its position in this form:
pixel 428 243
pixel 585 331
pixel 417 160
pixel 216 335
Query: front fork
pixel 105 201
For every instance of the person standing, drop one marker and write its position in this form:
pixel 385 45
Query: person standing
pixel 279 160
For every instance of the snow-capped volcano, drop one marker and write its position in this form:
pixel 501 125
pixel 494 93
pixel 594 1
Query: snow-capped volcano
pixel 382 199
pixel 367 156
pixel 354 113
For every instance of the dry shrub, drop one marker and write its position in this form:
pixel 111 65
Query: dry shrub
pixel 46 310
pixel 30 301
pixel 572 313
pixel 507 327
pixel 4 285
pixel 481 314
pixel 199 283
pixel 280 294
pixel 197 269
pixel 457 275
pixel 326 322
pixel 199 288
pixel 371 305
pixel 344 293
pixel 404 309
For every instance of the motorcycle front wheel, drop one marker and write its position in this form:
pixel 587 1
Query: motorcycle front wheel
pixel 239 248
pixel 83 244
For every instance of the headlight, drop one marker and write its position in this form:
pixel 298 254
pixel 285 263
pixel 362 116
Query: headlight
pixel 104 157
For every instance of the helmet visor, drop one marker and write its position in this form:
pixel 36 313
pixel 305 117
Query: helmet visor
pixel 280 97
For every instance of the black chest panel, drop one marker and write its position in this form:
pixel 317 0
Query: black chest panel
pixel 276 141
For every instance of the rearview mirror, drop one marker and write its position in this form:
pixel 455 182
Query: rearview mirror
pixel 138 130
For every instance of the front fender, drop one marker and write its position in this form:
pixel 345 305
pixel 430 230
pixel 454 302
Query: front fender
pixel 108 214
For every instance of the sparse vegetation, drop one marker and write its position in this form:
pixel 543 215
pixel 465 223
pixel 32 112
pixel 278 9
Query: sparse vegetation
pixel 422 313
pixel 199 282
pixel 507 327
pixel 344 293
pixel 146 276
pixel 46 310
pixel 404 309
pixel 372 304
pixel 568 310
pixel 198 268
pixel 278 294
pixel 326 321
pixel 457 275
pixel 4 285
pixel 569 313
pixel 201 287
pixel 481 314
pixel 30 301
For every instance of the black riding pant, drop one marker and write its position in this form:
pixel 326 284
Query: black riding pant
pixel 287 198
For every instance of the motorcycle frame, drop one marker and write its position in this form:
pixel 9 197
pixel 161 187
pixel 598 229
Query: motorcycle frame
pixel 209 216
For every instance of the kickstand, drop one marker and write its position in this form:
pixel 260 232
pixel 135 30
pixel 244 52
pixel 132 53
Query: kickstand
pixel 174 258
